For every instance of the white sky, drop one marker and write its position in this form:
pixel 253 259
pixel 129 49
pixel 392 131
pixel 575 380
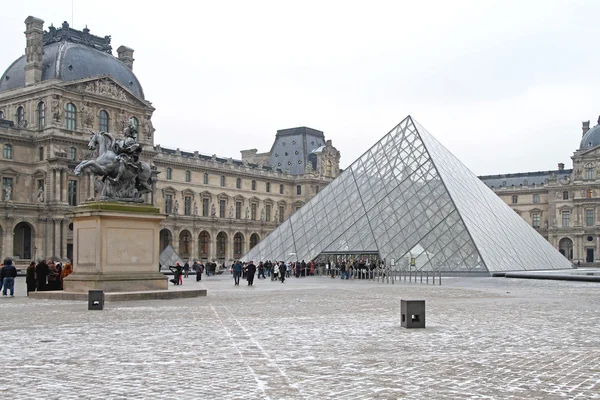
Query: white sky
pixel 504 85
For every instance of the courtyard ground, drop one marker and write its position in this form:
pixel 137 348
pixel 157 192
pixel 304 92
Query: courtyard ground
pixel 310 338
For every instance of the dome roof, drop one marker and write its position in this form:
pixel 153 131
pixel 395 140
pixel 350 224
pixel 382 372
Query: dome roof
pixel 591 138
pixel 68 61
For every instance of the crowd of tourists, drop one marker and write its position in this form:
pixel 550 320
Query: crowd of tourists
pixel 45 275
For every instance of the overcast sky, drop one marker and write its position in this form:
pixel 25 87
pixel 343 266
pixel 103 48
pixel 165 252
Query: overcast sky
pixel 504 85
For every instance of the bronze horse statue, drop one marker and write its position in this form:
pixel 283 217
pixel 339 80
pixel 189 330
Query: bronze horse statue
pixel 121 179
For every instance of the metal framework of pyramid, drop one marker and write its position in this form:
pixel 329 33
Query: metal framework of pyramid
pixel 409 197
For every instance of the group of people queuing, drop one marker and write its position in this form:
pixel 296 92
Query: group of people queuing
pixel 45 275
pixel 358 269
pixel 183 271
pixel 277 271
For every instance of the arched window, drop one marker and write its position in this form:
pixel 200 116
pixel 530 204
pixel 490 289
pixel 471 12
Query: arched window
pixel 254 239
pixel 1 114
pixel 135 123
pixel 221 244
pixel 238 245
pixel 299 189
pixel 70 117
pixel 280 189
pixel 222 180
pixel 188 176
pixel 20 116
pixel 169 173
pixel 238 183
pixel 184 243
pixel 565 195
pixel 41 114
pixel 103 121
pixel 8 151
pixel 72 153
pixel 205 178
pixel 515 199
pixel 203 241
pixel 268 186
pixel 589 171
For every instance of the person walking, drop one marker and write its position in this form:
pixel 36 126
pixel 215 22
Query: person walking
pixel 250 271
pixel 282 269
pixel 237 272
pixel 30 280
pixel 186 269
pixel 8 273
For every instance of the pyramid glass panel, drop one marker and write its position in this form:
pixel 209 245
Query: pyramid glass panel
pixel 409 197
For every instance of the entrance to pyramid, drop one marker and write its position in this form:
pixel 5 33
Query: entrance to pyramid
pixel 362 263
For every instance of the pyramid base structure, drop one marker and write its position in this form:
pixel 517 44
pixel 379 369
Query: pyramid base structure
pixel 412 202
pixel 115 249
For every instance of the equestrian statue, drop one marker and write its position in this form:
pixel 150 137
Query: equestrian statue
pixel 124 176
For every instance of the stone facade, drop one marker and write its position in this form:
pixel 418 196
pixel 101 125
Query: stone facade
pixel 217 207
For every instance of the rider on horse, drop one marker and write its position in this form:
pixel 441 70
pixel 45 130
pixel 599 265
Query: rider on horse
pixel 128 149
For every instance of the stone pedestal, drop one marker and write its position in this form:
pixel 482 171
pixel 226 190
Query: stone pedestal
pixel 115 248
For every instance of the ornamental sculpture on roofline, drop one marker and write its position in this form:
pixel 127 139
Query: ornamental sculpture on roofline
pixel 124 176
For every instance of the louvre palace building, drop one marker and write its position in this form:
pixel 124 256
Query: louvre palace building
pixel 69 84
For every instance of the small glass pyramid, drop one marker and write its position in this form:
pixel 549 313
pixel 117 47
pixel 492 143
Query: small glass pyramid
pixel 409 197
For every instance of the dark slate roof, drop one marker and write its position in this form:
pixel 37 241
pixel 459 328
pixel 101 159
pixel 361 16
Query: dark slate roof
pixel 293 146
pixel 591 138
pixel 69 61
pixel 523 178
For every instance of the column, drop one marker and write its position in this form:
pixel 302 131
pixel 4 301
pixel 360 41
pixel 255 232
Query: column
pixel 56 185
pixel 49 195
pixel 56 250
pixel 64 179
pixel 63 244
pixel 46 247
pixel 193 245
pixel 7 249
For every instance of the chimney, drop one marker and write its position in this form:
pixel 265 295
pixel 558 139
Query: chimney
pixel 34 50
pixel 561 166
pixel 585 126
pixel 126 55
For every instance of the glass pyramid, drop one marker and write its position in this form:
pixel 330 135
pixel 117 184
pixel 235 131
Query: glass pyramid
pixel 409 197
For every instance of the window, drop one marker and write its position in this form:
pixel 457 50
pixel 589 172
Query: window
pixel 169 173
pixel 168 203
pixel 253 208
pixel 188 176
pixel 268 187
pixel 222 180
pixel 221 244
pixel 238 183
pixel 1 114
pixel 536 198
pixel 268 212
pixel 205 178
pixel 135 123
pixel 565 195
pixel 8 151
pixel 589 194
pixel 72 193
pixel 204 240
pixel 41 114
pixel 41 153
pixel 515 199
pixel 238 210
pixel 20 116
pixel 253 184
pixel 281 213
pixel 299 190
pixel 237 245
pixel 566 218
pixel 589 171
pixel 280 189
pixel 589 217
pixel 72 153
pixel 205 207
pixel 535 220
pixel 103 121
pixel 222 206
pixel 7 188
pixel 70 117
pixel 187 205
pixel 40 184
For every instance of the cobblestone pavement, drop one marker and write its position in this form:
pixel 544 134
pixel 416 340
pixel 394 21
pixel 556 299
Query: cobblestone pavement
pixel 310 338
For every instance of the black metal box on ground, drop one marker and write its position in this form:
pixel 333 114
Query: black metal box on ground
pixel 95 299
pixel 412 313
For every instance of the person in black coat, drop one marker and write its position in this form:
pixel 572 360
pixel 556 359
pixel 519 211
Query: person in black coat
pixel 8 273
pixel 177 271
pixel 30 278
pixel 42 270
pixel 282 269
pixel 250 271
